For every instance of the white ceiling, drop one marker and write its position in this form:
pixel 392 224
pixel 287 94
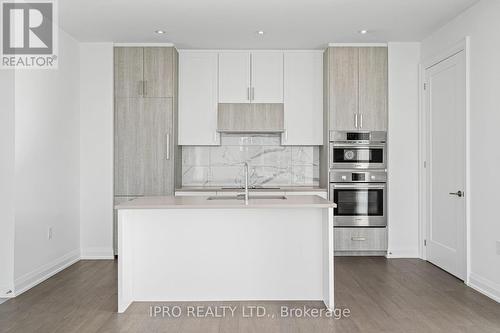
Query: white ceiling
pixel 233 23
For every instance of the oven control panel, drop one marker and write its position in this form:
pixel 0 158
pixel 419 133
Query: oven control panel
pixel 372 176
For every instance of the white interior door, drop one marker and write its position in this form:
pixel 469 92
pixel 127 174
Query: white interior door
pixel 446 107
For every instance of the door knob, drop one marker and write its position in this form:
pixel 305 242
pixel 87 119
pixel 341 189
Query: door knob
pixel 458 194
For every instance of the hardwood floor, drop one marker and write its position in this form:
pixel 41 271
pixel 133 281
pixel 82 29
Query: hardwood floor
pixel 397 295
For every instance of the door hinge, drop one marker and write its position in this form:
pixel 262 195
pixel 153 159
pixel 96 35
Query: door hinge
pixel 425 164
pixel 425 242
pixel 425 86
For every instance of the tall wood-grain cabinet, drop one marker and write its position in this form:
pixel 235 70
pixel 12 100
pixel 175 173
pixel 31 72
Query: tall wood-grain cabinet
pixel 357 88
pixel 145 121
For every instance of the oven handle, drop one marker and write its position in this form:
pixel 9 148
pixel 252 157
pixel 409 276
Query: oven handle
pixel 359 186
pixel 358 145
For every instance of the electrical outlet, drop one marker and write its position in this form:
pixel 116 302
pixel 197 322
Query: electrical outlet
pixel 49 233
pixel 498 248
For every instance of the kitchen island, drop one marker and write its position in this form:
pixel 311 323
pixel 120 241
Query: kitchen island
pixel 212 249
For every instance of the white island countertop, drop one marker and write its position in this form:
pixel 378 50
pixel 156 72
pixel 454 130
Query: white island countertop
pixel 192 249
pixel 202 202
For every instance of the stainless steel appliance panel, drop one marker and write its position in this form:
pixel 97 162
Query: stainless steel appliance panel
pixel 358 150
pixel 359 204
pixel 358 136
pixel 358 176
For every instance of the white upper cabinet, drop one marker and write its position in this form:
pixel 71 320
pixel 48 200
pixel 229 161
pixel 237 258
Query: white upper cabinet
pixel 303 98
pixel 267 77
pixel 234 77
pixel 198 98
pixel 251 77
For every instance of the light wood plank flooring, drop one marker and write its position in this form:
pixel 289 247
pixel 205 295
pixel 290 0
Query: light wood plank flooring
pixel 397 295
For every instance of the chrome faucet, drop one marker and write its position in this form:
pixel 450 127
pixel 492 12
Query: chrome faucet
pixel 246 182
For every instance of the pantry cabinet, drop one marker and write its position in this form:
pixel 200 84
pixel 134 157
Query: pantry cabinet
pixel 145 121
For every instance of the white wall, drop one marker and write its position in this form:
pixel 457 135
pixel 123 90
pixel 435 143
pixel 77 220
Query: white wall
pixel 96 150
pixel 404 59
pixel 47 167
pixel 7 163
pixel 481 22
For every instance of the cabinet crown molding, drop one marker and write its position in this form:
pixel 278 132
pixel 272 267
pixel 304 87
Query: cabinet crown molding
pixel 143 45
pixel 357 44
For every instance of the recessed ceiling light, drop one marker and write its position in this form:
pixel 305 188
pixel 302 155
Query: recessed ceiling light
pixel 160 32
pixel 363 32
pixel 260 33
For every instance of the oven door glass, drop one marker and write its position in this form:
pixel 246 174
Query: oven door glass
pixel 359 202
pixel 358 155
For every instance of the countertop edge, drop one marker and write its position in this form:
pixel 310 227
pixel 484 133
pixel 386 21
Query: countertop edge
pixel 255 206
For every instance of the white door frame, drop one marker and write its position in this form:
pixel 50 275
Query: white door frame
pixel 463 45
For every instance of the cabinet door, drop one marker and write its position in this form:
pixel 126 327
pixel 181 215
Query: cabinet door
pixel 234 77
pixel 373 88
pixel 267 77
pixel 158 146
pixel 144 146
pixel 129 150
pixel 303 98
pixel 198 98
pixel 128 71
pixel 343 79
pixel 158 72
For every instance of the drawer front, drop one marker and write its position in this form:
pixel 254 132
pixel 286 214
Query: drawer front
pixel 360 239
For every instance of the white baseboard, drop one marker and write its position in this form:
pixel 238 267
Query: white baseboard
pixel 485 286
pixel 3 300
pixel 97 253
pixel 403 254
pixel 31 279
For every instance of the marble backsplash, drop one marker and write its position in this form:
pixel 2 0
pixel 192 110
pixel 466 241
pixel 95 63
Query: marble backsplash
pixel 270 163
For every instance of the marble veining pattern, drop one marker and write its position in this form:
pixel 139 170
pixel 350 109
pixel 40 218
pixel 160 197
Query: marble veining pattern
pixel 270 163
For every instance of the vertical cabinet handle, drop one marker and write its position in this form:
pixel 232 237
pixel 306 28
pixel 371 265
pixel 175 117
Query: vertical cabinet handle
pixel 167 144
pixel 144 88
pixel 356 120
pixel 360 120
pixel 248 93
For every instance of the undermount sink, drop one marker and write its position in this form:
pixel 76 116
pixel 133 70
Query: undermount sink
pixel 251 197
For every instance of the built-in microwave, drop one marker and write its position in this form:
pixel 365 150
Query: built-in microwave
pixel 361 198
pixel 358 150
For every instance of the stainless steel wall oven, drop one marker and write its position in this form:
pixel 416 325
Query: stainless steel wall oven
pixel 358 150
pixel 361 198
